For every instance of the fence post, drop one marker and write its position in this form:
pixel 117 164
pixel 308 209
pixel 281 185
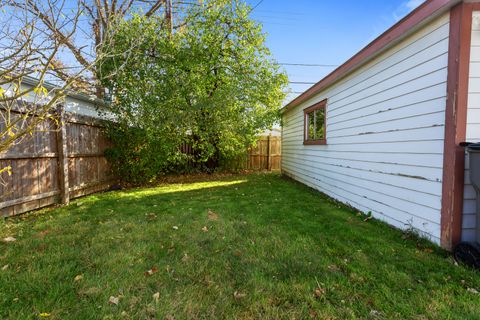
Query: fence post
pixel 269 153
pixel 62 156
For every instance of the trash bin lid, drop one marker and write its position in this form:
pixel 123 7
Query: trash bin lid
pixel 474 147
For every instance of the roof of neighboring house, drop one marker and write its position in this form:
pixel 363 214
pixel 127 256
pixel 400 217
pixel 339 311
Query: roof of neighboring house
pixel 426 12
pixel 70 93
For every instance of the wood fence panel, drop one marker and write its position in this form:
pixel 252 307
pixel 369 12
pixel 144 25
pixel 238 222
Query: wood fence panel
pixel 276 153
pixel 35 180
pixel 265 155
pixel 90 171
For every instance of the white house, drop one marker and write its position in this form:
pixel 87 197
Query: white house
pixel 382 132
pixel 75 103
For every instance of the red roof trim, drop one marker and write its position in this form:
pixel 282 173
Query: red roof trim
pixel 398 31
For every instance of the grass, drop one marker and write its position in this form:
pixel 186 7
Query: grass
pixel 271 249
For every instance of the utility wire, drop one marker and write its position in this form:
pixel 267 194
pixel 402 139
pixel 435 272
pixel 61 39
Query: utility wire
pixel 255 7
pixel 307 65
pixel 294 92
pixel 301 82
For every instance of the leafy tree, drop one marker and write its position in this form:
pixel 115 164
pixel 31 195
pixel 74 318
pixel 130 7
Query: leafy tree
pixel 210 83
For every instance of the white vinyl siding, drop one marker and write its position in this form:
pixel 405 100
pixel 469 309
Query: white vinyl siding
pixel 473 128
pixel 84 108
pixel 385 131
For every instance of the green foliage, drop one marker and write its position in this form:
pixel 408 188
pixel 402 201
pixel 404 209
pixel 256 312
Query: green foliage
pixel 211 84
pixel 136 161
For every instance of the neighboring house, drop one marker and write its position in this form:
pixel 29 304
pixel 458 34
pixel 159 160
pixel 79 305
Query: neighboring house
pixel 382 132
pixel 75 103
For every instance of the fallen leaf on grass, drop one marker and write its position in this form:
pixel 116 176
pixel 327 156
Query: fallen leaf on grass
pixel 78 278
pixel 90 291
pixel 333 267
pixel 212 215
pixel 9 239
pixel 237 253
pixel 238 295
pixel 42 234
pixel 151 216
pixel 205 229
pixel 113 300
pixel 319 292
pixel 151 271
pixel 156 296
pixel 472 290
pixel 44 315
pixel 5 267
pixel 375 313
pixel 175 228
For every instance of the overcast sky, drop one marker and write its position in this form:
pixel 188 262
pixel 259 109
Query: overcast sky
pixel 323 31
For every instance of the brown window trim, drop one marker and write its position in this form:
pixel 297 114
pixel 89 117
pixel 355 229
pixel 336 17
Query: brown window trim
pixel 321 105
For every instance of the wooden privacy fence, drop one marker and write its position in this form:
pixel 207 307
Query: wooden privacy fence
pixel 54 165
pixel 266 155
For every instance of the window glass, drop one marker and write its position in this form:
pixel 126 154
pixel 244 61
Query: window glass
pixel 315 124
pixel 311 126
pixel 320 124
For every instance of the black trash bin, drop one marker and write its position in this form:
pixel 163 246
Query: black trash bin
pixel 469 252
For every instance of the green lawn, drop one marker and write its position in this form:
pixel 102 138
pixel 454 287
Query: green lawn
pixel 230 247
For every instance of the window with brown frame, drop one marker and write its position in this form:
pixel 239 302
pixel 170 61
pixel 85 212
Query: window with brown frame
pixel 315 124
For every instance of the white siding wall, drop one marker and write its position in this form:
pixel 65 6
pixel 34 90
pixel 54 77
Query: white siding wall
pixel 82 107
pixel 385 130
pixel 473 128
pixel 85 106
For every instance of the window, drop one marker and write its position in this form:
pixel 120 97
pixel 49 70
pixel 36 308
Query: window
pixel 315 124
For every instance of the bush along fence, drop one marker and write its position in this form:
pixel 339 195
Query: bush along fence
pixel 64 161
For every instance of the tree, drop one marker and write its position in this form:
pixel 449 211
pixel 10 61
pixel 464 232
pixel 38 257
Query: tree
pixel 28 52
pixel 211 83
pixel 30 55
pixel 81 39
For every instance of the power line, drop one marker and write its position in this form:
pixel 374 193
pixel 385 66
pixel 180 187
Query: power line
pixel 282 12
pixel 294 92
pixel 307 65
pixel 255 7
pixel 301 82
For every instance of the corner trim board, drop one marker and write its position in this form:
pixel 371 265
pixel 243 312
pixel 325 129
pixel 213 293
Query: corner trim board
pixel 456 124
